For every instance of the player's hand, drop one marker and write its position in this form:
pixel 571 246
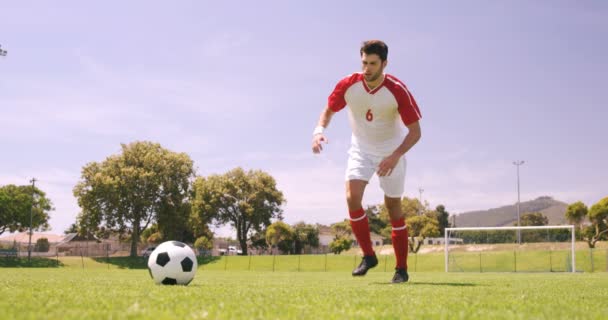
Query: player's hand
pixel 385 168
pixel 317 142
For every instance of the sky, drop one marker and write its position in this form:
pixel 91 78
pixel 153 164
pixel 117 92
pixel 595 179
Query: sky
pixel 242 84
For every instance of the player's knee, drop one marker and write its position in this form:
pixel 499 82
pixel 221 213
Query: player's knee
pixel 352 195
pixel 353 198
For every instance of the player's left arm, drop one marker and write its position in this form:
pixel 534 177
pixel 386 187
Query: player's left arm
pixel 413 136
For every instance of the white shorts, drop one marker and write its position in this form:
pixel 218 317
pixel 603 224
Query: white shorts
pixel 362 166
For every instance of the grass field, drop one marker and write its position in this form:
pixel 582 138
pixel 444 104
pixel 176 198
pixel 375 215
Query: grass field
pixel 130 294
pixel 124 290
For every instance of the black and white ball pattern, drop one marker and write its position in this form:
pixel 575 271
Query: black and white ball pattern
pixel 171 263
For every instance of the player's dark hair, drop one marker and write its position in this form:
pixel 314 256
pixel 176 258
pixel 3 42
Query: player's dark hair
pixel 375 47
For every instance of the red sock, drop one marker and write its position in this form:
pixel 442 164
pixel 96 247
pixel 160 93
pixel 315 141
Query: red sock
pixel 399 236
pixel 360 226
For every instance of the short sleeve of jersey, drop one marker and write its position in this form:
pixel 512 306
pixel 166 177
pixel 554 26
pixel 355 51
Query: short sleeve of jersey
pixel 407 106
pixel 336 100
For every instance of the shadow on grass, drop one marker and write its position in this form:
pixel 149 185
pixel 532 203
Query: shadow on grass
pixel 451 284
pixel 412 283
pixel 11 262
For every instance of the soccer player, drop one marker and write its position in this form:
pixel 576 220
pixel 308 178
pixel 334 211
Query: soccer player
pixel 379 105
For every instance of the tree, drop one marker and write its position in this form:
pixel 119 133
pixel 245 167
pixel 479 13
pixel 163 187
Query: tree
pixel 598 216
pixel 305 235
pixel 128 191
pixel 258 240
pixel 421 223
pixel 203 243
pixel 280 235
pixel 534 219
pixel 73 228
pixel 420 228
pixel 246 200
pixel 576 214
pixel 342 229
pixel 151 235
pixel 379 222
pixel 442 218
pixel 16 205
pixel 340 243
pixel 42 245
pixel 409 206
pixel 342 237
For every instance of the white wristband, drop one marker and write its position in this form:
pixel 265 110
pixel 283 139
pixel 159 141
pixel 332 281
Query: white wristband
pixel 318 130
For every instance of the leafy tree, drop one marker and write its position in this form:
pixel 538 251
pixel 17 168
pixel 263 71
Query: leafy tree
pixel 379 222
pixel 376 221
pixel 203 243
pixel 73 228
pixel 85 228
pixel 420 228
pixel 342 229
pixel 409 206
pixel 598 216
pixel 16 205
pixel 151 234
pixel 246 200
pixel 280 235
pixel 155 238
pixel 534 219
pixel 258 240
pixel 576 214
pixel 128 191
pixel 442 218
pixel 305 235
pixel 421 222
pixel 340 243
pixel 42 245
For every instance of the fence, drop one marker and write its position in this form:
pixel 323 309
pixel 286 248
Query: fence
pixel 588 260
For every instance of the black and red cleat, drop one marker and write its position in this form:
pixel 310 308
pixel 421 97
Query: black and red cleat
pixel 367 263
pixel 400 276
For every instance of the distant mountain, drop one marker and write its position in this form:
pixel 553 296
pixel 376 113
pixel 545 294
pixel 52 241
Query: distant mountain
pixel 507 215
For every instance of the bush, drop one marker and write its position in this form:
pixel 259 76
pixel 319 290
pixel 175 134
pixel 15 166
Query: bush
pixel 202 243
pixel 155 238
pixel 42 245
pixel 340 244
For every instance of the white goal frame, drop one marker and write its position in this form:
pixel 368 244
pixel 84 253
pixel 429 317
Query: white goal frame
pixel 448 230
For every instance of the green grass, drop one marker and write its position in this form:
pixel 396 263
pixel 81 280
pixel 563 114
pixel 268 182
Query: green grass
pixel 96 292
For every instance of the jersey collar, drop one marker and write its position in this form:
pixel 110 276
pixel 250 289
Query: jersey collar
pixel 370 91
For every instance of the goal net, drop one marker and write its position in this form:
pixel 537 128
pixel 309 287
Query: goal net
pixel 510 249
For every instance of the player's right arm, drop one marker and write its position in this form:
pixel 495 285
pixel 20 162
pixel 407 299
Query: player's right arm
pixel 335 103
pixel 318 137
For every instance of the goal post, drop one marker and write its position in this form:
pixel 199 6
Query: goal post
pixel 448 240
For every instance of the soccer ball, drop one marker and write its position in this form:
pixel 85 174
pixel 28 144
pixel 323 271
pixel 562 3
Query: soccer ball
pixel 171 263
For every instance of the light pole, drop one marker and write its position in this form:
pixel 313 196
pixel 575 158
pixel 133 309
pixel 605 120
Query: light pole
pixel 517 164
pixel 29 246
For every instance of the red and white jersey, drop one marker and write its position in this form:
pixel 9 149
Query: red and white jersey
pixel 375 116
